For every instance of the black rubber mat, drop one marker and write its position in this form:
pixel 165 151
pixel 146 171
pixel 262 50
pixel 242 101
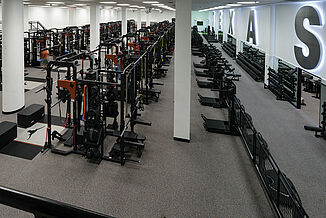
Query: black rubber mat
pixel 55 120
pixel 21 150
pixel 34 79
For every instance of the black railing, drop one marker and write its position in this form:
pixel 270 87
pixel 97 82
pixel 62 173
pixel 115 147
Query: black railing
pixel 279 188
pixel 43 207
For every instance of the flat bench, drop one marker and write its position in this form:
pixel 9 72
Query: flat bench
pixel 8 132
pixel 30 115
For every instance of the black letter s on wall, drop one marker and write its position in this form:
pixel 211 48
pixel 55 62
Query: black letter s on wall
pixel 312 60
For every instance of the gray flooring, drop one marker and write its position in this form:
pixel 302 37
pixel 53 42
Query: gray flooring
pixel 300 155
pixel 210 177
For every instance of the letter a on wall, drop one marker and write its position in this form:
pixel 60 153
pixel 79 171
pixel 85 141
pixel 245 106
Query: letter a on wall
pixel 231 13
pixel 251 33
pixel 312 60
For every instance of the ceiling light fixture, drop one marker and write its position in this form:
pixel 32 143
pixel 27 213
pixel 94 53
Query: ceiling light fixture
pixel 248 3
pixel 150 2
pixel 55 3
pixel 123 5
pixel 233 5
pixel 108 2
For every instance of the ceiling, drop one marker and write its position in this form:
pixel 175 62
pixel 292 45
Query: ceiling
pixel 170 3
pixel 197 4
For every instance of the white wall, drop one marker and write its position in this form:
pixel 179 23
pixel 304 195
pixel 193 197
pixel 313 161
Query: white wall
pixel 285 35
pixel 108 15
pixel 285 42
pixel 50 17
pixel 82 16
pixel 154 16
pixel 200 16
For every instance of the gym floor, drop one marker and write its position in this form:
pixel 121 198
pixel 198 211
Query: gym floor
pixel 299 154
pixel 211 176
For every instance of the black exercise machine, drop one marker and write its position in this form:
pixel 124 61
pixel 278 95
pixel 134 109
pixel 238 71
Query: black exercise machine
pixel 320 132
pixel 224 126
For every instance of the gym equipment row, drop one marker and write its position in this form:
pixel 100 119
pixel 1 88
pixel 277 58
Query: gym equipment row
pixel 69 39
pixel 230 46
pixel 279 188
pixel 62 41
pixel 98 94
pixel 252 60
pixel 102 102
pixel 210 35
pixel 196 39
pixel 285 83
pixel 220 78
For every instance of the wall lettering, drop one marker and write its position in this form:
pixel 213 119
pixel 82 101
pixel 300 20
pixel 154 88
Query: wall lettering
pixel 251 33
pixel 230 31
pixel 309 39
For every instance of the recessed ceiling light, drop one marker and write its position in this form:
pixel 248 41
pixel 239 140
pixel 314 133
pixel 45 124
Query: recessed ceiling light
pixel 55 2
pixel 150 2
pixel 254 2
pixel 233 5
pixel 108 2
pixel 123 5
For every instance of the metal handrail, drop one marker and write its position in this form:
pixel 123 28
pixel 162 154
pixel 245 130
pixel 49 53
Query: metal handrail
pixel 43 207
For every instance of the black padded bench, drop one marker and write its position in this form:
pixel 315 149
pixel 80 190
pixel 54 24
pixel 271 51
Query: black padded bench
pixel 30 115
pixel 8 132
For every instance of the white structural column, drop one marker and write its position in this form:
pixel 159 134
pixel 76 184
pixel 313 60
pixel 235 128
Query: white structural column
pixel 214 21
pixel 124 25
pixel 94 26
pixel 13 97
pixel 148 20
pixel 26 18
pixel 238 28
pixel 72 16
pixel 182 70
pixel 211 19
pixel 270 54
pixel 225 24
pixel 139 19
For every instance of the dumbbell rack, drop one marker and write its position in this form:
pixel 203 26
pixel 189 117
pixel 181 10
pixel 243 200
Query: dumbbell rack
pixel 285 83
pixel 252 60
pixel 229 47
